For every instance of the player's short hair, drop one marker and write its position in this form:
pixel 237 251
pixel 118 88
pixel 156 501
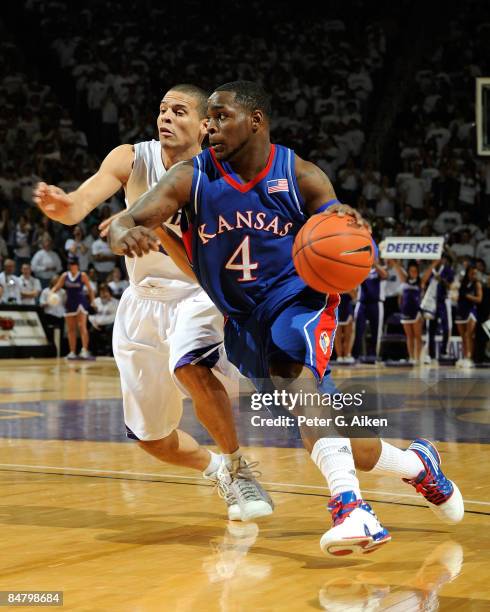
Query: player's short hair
pixel 200 95
pixel 250 95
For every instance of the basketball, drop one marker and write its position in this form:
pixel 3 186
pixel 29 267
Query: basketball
pixel 53 299
pixel 333 254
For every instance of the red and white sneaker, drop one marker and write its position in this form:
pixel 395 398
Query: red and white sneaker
pixel 355 527
pixel 444 497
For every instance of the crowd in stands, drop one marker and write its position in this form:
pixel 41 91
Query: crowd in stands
pixel 105 82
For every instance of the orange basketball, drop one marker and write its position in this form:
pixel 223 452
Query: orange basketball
pixel 333 254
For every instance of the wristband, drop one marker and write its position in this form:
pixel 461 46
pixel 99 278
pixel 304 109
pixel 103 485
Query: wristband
pixel 324 207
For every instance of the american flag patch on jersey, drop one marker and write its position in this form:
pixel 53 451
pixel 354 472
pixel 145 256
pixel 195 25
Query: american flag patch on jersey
pixel 277 185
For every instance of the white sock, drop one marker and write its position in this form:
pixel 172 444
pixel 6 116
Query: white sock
pixel 214 463
pixel 333 457
pixel 232 457
pixel 393 460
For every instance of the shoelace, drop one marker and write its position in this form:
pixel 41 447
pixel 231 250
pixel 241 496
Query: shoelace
pixel 341 511
pixel 224 492
pixel 433 491
pixel 245 477
pixel 245 471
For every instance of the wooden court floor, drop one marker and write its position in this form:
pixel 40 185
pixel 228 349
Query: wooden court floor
pixel 84 512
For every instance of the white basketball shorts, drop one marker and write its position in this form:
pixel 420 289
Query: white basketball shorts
pixel 154 335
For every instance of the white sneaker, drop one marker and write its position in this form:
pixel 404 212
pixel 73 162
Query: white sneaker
pixel 340 359
pixel 443 495
pixel 459 363
pixel 355 527
pixel 222 475
pixel 241 482
pixel 349 359
pixel 71 355
pixel 468 363
pixel 84 354
pixel 427 360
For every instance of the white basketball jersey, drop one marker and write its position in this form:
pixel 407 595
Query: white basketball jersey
pixel 154 269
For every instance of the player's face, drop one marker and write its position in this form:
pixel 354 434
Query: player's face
pixel 230 125
pixel 179 124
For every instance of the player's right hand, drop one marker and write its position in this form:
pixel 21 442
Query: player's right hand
pixel 52 200
pixel 137 241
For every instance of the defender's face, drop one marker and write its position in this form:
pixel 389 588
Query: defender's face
pixel 178 122
pixel 230 125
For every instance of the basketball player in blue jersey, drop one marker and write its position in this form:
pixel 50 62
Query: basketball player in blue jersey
pixel 245 199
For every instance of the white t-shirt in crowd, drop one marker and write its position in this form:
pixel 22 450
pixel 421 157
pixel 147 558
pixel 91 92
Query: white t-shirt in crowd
pixel 11 288
pixel 447 221
pixel 83 257
pixel 106 312
pixel 415 190
pixel 483 252
pixel 29 284
pixel 45 264
pixel 463 250
pixel 100 247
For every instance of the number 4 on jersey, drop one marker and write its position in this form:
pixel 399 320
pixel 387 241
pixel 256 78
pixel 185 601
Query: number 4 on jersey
pixel 245 266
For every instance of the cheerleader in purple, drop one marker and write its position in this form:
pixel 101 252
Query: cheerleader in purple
pixel 470 295
pixel 73 282
pixel 411 317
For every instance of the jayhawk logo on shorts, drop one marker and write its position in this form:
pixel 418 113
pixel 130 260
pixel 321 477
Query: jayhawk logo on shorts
pixel 324 341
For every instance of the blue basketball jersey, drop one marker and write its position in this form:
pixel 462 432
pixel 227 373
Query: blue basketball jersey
pixel 241 234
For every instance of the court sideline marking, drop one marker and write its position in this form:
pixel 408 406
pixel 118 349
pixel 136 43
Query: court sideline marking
pixel 12 467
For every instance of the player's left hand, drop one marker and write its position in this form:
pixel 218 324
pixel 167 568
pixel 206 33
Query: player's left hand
pixel 344 209
pixel 106 224
pixel 137 240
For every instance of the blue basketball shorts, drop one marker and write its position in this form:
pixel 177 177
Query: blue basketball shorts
pixel 301 331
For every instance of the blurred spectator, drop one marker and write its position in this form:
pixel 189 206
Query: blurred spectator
pixel 10 283
pixel 3 250
pixel 414 190
pixel 46 262
pixel 53 307
pixel 105 306
pixel 103 258
pixel 469 190
pixel 462 246
pixel 77 245
pixel 22 242
pixel 447 220
pixel 117 284
pixel 92 279
pixel 483 249
pixel 30 287
pixel 386 199
pixel 349 183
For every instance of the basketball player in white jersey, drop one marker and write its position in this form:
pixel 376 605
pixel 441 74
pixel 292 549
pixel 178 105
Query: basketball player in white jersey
pixel 167 331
